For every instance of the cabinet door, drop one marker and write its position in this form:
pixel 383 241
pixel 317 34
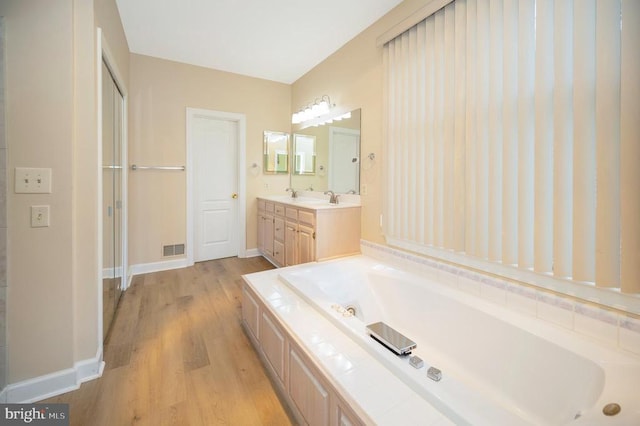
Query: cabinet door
pixel 278 252
pixel 268 234
pixel 261 231
pixel 278 230
pixel 272 341
pixel 345 417
pixel 306 391
pixel 306 244
pixel 250 311
pixel 291 243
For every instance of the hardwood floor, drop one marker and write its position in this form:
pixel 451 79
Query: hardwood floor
pixel 177 355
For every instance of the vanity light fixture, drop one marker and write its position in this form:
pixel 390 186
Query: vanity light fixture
pixel 325 119
pixel 320 107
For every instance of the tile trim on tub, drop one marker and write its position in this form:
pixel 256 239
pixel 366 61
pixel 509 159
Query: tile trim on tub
pixel 630 323
pixel 575 306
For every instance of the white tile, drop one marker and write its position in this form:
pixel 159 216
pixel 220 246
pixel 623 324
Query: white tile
pixel 413 410
pixel 339 364
pixel 555 309
pixel 469 285
pixel 493 290
pixel 377 390
pixel 595 322
pixel 324 349
pixel 447 278
pixel 630 334
pixel 522 299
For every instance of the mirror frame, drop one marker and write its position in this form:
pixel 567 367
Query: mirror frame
pixel 272 162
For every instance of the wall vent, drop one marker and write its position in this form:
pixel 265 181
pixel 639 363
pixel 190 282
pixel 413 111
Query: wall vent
pixel 173 250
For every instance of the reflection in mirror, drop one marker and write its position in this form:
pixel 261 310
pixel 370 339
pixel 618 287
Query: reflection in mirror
pixel 337 160
pixel 276 152
pixel 304 154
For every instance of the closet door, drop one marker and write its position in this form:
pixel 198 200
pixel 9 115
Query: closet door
pixel 112 272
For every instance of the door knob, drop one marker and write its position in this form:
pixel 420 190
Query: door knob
pixel 234 195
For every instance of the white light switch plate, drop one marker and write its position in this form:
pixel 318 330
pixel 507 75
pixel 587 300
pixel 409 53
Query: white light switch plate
pixel 39 216
pixel 29 180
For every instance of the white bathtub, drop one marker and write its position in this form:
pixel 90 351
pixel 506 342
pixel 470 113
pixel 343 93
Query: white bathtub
pixel 498 367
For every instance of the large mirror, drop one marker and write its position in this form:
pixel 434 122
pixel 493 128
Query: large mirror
pixel 337 156
pixel 276 152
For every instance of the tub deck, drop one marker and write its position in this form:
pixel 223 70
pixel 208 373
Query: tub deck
pixel 523 372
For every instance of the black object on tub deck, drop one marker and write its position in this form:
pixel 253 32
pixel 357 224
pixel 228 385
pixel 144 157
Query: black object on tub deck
pixel 391 339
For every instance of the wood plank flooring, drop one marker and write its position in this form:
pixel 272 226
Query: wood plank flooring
pixel 177 355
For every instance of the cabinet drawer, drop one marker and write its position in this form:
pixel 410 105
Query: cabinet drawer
pixel 279 210
pixel 306 217
pixel 269 207
pixel 292 213
pixel 261 204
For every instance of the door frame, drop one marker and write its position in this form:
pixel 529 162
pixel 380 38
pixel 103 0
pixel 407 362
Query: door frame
pixel 241 122
pixel 103 54
pixel 332 131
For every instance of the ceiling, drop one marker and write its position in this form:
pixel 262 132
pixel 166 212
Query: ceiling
pixel 277 40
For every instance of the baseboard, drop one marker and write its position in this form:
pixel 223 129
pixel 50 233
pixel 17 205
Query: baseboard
pixel 254 252
pixel 146 268
pixel 53 384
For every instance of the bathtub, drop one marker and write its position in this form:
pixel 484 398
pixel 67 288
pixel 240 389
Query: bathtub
pixel 498 366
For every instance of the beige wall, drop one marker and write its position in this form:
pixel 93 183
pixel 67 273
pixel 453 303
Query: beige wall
pixel 352 77
pixel 39 134
pixel 160 92
pixel 53 277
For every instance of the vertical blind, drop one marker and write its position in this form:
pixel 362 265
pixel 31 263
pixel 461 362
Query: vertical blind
pixel 512 134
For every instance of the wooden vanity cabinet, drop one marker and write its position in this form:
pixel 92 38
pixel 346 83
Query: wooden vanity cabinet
pixel 301 235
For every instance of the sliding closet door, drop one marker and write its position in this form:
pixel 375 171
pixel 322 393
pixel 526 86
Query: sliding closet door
pixel 112 128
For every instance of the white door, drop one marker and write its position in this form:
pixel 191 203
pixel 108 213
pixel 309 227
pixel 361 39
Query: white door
pixel 344 160
pixel 214 145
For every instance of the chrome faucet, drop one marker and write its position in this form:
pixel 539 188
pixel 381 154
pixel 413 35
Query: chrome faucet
pixel 294 193
pixel 333 197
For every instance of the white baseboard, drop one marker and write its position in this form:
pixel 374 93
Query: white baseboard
pixel 50 385
pixel 254 252
pixel 146 268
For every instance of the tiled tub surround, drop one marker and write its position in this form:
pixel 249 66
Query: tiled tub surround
pixel 499 366
pixel 615 328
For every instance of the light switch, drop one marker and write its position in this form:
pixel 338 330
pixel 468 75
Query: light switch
pixel 29 180
pixel 39 216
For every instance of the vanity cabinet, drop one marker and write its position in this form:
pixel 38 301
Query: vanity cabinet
pixel 289 234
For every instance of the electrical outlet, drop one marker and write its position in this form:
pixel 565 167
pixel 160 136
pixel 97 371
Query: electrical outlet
pixel 39 216
pixel 30 180
pixel 364 190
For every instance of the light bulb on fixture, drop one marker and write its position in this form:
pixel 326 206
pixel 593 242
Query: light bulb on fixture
pixel 319 108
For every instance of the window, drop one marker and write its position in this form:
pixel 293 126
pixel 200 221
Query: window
pixel 512 139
